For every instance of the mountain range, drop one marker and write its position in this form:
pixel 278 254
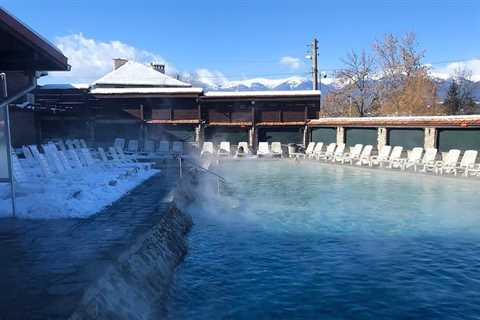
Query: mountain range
pixel 303 83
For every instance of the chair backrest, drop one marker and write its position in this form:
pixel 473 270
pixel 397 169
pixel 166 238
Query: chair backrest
pixel 163 147
pixel 41 159
pixel 384 153
pixel 61 145
pixel 70 144
pixel 415 154
pixel 72 153
pixel 244 145
pixel 18 172
pixel 430 155
pixel 225 146
pixel 149 146
pixel 83 144
pixel 119 143
pixel 87 156
pixel 132 146
pixel 276 147
pixel 310 148
pixel 113 153
pixel 64 160
pixel 77 143
pixel 396 153
pixel 340 149
pixel 207 147
pixel 177 147
pixel 103 155
pixel 330 148
pixel 357 149
pixel 367 151
pixel 452 157
pixel 318 147
pixel 263 147
pixel 469 158
pixel 27 153
pixel 53 158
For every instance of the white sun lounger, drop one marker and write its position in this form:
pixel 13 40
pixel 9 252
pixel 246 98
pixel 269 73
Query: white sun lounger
pixel 317 150
pixel 413 158
pixel 263 149
pixel 41 160
pixel 132 147
pixel 149 147
pixel 207 149
pixel 428 160
pixel 338 154
pixel 18 172
pixel 177 148
pixel 329 152
pixel 449 164
pixel 450 157
pixel 364 157
pixel 354 154
pixel 467 163
pixel 382 156
pixel 224 149
pixel 241 153
pixel 119 143
pixel 308 151
pixel 276 149
pixel 394 156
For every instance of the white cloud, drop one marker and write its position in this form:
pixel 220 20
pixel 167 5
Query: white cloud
pixel 450 69
pixel 214 79
pixel 292 62
pixel 91 59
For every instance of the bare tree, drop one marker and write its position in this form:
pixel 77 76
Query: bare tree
pixel 358 85
pixel 405 87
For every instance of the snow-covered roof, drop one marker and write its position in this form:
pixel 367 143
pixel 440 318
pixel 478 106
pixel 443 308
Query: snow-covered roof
pixel 270 93
pixel 53 86
pixel 137 74
pixel 462 121
pixel 113 91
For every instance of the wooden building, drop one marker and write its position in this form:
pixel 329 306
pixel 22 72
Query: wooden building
pixel 136 101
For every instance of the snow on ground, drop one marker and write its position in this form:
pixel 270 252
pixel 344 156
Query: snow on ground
pixel 78 193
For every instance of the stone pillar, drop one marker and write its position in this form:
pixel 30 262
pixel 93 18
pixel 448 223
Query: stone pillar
pixel 199 135
pixel 381 138
pixel 340 135
pixel 430 138
pixel 253 138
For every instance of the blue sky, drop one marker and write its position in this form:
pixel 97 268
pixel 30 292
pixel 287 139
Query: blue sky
pixel 244 39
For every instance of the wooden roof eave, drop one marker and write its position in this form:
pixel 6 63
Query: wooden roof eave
pixel 35 41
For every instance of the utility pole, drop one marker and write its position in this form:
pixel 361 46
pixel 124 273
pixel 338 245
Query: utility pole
pixel 315 63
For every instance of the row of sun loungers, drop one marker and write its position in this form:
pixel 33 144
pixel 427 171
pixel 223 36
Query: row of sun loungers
pixel 390 157
pixel 62 157
pixel 150 147
pixel 224 149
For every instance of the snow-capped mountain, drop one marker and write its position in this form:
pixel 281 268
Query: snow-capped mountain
pixel 264 84
pixel 304 83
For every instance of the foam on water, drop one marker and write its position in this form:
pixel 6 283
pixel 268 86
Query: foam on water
pixel 313 240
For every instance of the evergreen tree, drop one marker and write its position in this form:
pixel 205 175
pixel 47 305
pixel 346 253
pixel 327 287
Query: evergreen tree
pixel 453 101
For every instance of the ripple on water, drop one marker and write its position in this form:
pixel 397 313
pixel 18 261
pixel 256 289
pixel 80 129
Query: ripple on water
pixel 331 242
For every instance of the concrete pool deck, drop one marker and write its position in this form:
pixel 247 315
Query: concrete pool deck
pixel 47 265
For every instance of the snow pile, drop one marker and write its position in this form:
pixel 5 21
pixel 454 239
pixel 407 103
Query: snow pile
pixel 79 193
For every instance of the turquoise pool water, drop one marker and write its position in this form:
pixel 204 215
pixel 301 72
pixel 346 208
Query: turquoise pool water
pixel 321 241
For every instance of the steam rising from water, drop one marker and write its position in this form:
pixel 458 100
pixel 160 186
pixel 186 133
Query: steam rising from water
pixel 320 241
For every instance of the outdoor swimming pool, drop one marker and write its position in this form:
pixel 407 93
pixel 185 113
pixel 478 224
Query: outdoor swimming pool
pixel 318 241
